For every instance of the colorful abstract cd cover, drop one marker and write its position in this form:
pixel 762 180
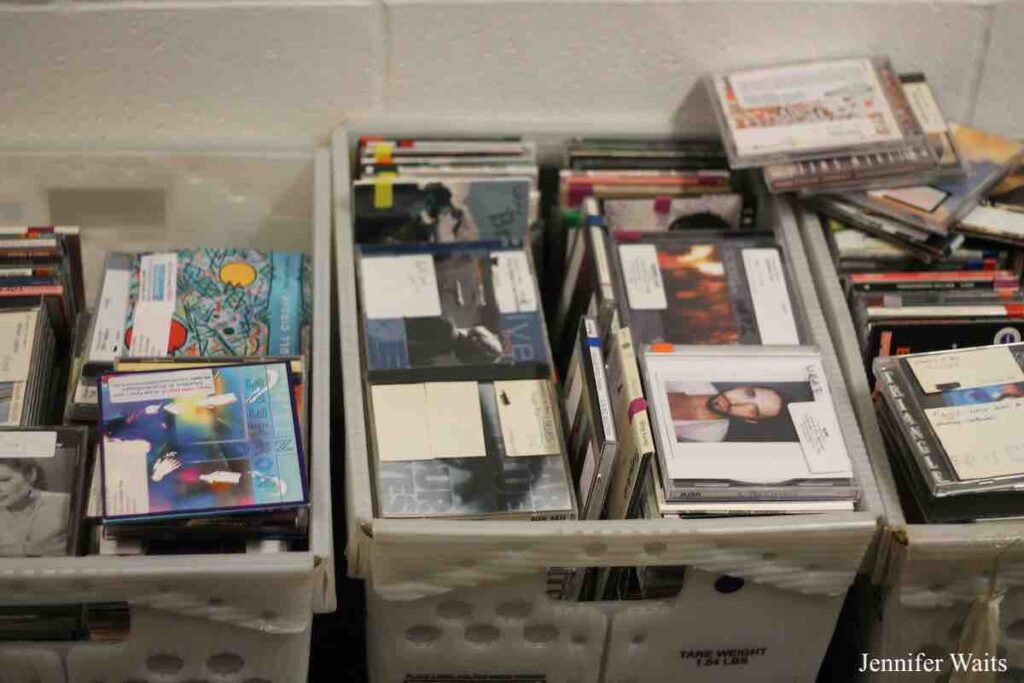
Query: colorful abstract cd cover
pixel 218 302
pixel 180 442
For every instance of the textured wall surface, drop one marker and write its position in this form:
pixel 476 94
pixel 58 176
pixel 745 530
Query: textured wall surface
pixel 284 72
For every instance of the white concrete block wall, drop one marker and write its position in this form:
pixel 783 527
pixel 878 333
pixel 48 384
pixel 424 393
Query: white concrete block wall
pixel 257 72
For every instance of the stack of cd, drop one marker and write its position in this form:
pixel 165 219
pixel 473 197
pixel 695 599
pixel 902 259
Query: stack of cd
pixel 952 422
pixel 201 457
pixel 191 303
pixel 833 125
pixel 416 191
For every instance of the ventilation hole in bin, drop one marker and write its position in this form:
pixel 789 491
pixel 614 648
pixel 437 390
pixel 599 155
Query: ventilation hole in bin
pixel 225 663
pixel 164 664
pixel 580 639
pixel 268 615
pixel 638 638
pixel 595 549
pixel 482 633
pixel 541 634
pixel 422 634
pixel 454 609
pixel 655 548
pixel 515 609
pixel 728 584
pixel 1015 630
pixel 215 602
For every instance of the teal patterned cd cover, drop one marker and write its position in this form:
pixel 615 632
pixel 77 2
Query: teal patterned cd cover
pixel 218 302
pixel 216 439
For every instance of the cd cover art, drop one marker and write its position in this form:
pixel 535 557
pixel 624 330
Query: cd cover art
pixel 450 306
pixel 180 442
pixel 470 449
pixel 707 291
pixel 756 418
pixel 443 210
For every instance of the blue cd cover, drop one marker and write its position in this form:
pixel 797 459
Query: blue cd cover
pixel 177 443
pixel 450 306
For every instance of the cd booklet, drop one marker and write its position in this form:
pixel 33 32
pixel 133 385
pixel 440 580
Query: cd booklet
pixel 219 440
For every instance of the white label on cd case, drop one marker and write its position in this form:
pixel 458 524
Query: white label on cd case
pixel 983 367
pixel 86 392
pixel 400 287
pixel 156 386
pixel 820 438
pixel 922 101
pixel 108 328
pixel 17 329
pixel 772 307
pixel 158 277
pixel 455 421
pixel 513 282
pixel 401 422
pixel 981 440
pixel 999 221
pixel 151 328
pixel 528 423
pixel 644 286
pixel 428 421
pixel 28 444
pixel 126 476
pixel 41 243
pixel 920 197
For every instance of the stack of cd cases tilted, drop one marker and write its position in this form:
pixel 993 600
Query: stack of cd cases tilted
pixel 951 420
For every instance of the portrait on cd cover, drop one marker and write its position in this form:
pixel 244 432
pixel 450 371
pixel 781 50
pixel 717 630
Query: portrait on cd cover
pixel 734 411
pixel 35 505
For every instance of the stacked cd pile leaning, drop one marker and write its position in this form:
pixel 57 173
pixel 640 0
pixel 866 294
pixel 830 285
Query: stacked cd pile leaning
pixel 929 259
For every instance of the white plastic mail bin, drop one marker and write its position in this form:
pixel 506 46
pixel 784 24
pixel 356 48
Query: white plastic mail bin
pixel 244 617
pixel 931 573
pixel 463 600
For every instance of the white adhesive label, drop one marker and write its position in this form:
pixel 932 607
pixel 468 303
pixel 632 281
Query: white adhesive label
pixel 513 282
pixel 108 326
pixel 820 438
pixel 772 306
pixel 157 386
pixel 400 287
pixel 17 330
pixel 28 444
pixel 644 286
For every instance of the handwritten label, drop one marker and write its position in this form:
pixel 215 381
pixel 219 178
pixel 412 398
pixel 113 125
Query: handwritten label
pixel 966 369
pixel 528 417
pixel 400 287
pixel 513 282
pixel 644 287
pixel 981 440
pixel 28 444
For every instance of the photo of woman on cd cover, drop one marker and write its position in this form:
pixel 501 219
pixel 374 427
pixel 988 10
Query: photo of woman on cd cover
pixel 734 411
pixel 35 505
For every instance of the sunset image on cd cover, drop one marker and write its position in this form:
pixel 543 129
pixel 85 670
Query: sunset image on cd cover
pixel 700 310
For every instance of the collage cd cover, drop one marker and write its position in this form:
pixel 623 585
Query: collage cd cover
pixel 221 439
